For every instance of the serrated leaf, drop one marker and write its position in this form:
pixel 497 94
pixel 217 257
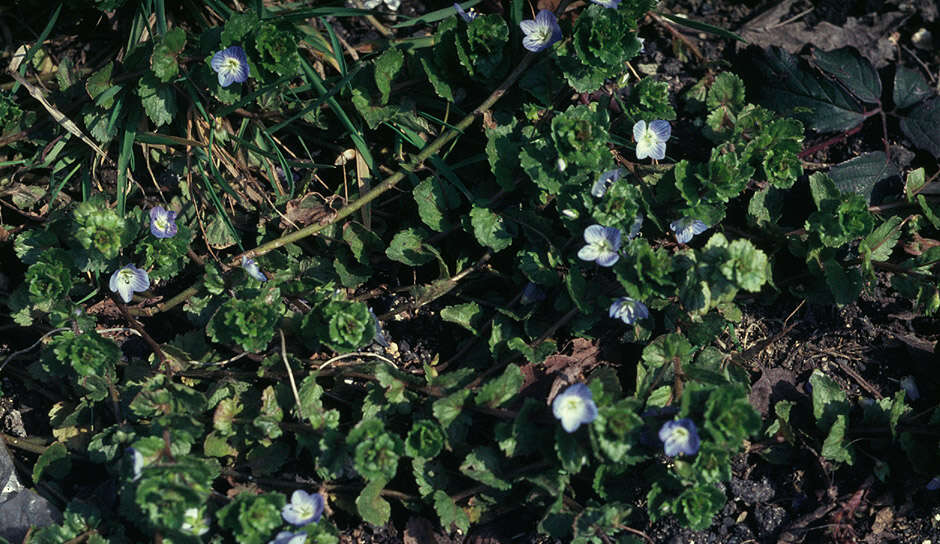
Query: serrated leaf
pixel 880 243
pixel 482 464
pixel 861 174
pixel 853 70
pixel 463 315
pixel 158 99
pixel 845 285
pixel 386 67
pixel 163 60
pixel 407 247
pixel 434 196
pixel 99 82
pixel 922 126
pixel 55 461
pixel 793 88
pixel 490 229
pixel 499 390
pixel 215 445
pixel 914 183
pixel 448 408
pixel 909 88
pixel 371 506
pixel 449 512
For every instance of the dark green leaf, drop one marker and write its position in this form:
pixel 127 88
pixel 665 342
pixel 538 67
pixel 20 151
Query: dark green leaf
pixel 463 315
pixel 371 506
pixel 909 87
pixel 55 461
pixel 490 229
pixel 407 247
pixel 482 464
pixel 852 70
pixel 922 126
pixel 861 174
pixel 499 390
pixel 449 512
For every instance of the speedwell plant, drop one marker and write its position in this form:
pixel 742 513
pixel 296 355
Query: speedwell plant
pixel 261 294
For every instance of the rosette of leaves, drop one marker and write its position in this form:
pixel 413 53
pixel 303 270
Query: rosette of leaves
pixel 165 257
pixel 580 136
pixel 425 440
pixel 49 279
pixel 341 325
pixel 101 232
pixel 377 451
pixel 247 323
pixel 91 357
pixel 253 517
pixel 166 490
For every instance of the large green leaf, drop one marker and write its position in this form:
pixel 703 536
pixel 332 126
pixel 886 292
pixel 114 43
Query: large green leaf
pixel 922 126
pixel 861 174
pixel 909 88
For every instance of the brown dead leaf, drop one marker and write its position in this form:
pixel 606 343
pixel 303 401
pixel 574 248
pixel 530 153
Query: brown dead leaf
pixel 883 520
pixel 919 245
pixel 303 211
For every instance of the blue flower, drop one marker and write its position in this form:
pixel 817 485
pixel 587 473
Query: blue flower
pixel 651 140
pixel 910 387
pixel 604 181
pixel 129 280
pixel 195 522
pixel 679 436
pixel 602 245
pixel 251 267
pixel 303 508
pixel 933 484
pixel 686 228
pixel 287 537
pixel 162 222
pixel 465 15
pixel 607 3
pixel 635 227
pixel 531 294
pixel 541 32
pixel 574 406
pixel 231 65
pixel 628 310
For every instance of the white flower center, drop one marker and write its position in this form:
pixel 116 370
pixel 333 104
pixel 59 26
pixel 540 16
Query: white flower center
pixel 161 223
pixel 126 276
pixel 231 65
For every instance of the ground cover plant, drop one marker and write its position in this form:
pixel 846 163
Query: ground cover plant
pixel 323 272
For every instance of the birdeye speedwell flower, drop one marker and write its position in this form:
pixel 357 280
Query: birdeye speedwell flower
pixel 231 64
pixel 467 16
pixel 628 310
pixel 686 228
pixel 129 280
pixel 541 32
pixel 574 406
pixel 602 245
pixel 162 222
pixel 679 436
pixel 651 140
pixel 303 508
pixel 251 267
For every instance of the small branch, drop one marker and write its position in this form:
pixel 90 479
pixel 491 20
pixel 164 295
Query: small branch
pixel 828 143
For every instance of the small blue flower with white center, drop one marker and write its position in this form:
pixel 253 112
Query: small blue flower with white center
pixel 628 310
pixel 162 222
pixel 607 3
pixel 604 181
pixel 129 280
pixel 679 436
pixel 686 228
pixel 467 16
pixel 574 406
pixel 231 64
pixel 541 32
pixel 303 508
pixel 603 243
pixel 195 522
pixel 651 140
pixel 251 267
pixel 287 537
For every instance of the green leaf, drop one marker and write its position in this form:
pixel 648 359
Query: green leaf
pixel 387 65
pixel 845 285
pixel 828 399
pixel 55 461
pixel 450 513
pixel 490 229
pixel 793 88
pixel 498 391
pixel 914 183
pixel 448 408
pixel 407 247
pixel 163 60
pixel 502 151
pixel 909 87
pixel 569 449
pixel 425 440
pixel 362 241
pixel 434 197
pixel 158 99
pixel 853 70
pixel 482 464
pixel 463 315
pixel 835 447
pixel 98 83
pixel 861 174
pixel 920 126
pixel 216 445
pixel 727 90
pixel 238 26
pixel 371 506
pixel 878 245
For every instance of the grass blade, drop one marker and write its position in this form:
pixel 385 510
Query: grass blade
pixel 35 47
